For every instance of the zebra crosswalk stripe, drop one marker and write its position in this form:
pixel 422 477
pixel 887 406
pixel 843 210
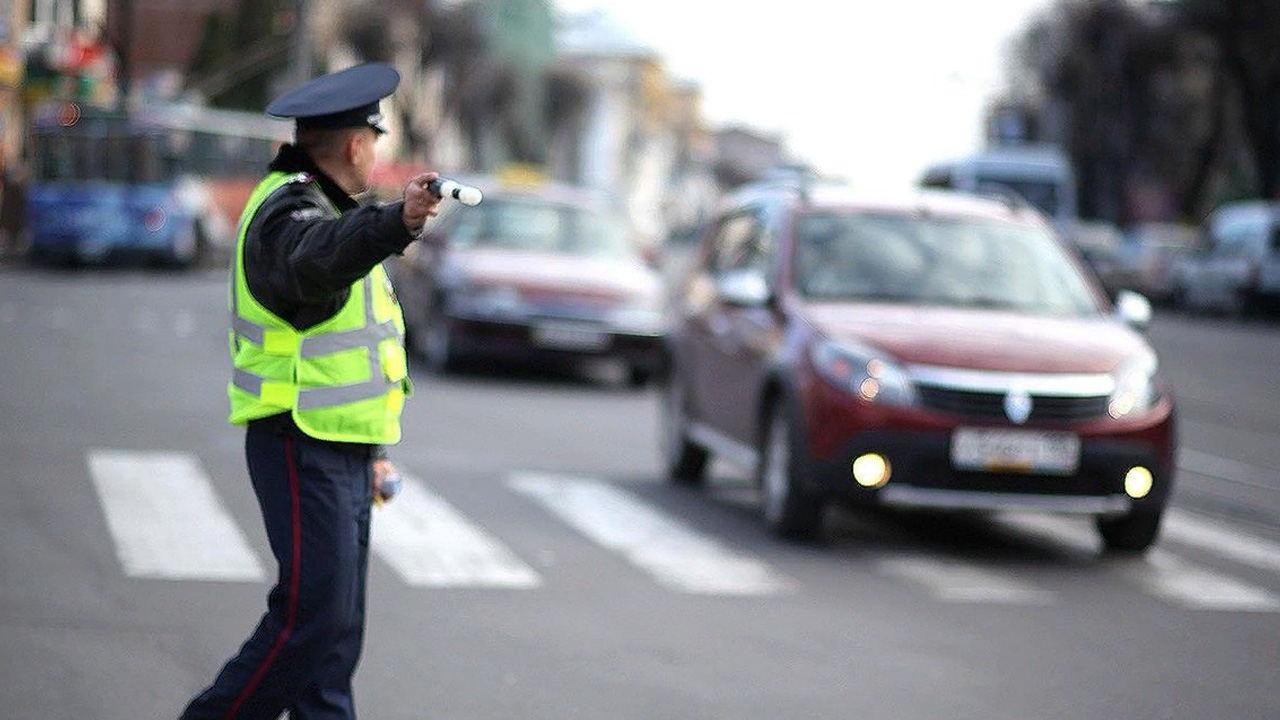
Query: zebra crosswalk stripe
pixel 666 549
pixel 1163 573
pixel 961 582
pixel 430 544
pixel 1187 529
pixel 166 520
pixel 1175 579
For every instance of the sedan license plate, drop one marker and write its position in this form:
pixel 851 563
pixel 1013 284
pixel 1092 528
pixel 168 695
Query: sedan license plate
pixel 1029 451
pixel 568 336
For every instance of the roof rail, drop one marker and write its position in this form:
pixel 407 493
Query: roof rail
pixel 1012 199
pixel 801 178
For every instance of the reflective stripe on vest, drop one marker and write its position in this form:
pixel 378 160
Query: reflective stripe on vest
pixel 276 341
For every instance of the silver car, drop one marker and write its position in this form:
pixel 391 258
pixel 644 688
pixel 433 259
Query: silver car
pixel 1237 270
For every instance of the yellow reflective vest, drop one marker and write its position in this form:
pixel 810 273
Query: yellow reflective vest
pixel 344 379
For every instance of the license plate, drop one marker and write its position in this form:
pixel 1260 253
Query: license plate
pixel 1029 451
pixel 563 336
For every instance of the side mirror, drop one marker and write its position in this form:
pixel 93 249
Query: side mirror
pixel 1133 309
pixel 743 288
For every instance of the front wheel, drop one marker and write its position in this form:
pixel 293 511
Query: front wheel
pixel 686 461
pixel 788 509
pixel 1130 534
pixel 638 377
pixel 437 345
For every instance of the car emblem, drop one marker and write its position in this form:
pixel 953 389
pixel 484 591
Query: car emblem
pixel 1017 405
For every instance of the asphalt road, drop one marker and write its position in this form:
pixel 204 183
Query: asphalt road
pixel 519 577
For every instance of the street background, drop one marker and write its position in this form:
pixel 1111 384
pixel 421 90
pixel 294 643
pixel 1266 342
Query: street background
pixel 538 564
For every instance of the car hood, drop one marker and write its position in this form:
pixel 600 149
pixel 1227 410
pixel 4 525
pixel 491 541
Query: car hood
pixel 983 339
pixel 536 273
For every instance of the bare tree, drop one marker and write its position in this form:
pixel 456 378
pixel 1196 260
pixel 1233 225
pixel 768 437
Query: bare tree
pixel 1144 110
pixel 1247 33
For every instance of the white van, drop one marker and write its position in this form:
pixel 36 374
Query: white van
pixel 1237 269
pixel 1038 173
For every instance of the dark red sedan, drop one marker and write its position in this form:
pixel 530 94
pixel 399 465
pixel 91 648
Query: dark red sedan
pixel 932 351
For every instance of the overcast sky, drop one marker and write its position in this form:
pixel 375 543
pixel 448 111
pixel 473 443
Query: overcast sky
pixel 868 90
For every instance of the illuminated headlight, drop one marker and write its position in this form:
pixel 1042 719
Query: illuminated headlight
pixel 1135 388
pixel 638 319
pixel 864 373
pixel 488 302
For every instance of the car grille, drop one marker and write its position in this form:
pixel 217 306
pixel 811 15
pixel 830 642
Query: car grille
pixel 985 404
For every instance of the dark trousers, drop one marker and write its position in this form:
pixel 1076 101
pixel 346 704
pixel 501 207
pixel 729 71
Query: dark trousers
pixel 315 499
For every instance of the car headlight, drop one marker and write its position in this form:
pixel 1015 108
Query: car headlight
pixel 863 372
pixel 1135 387
pixel 638 319
pixel 487 302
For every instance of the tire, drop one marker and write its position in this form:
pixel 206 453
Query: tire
pixel 638 377
pixel 684 460
pixel 1251 304
pixel 1131 534
pixel 787 508
pixel 437 346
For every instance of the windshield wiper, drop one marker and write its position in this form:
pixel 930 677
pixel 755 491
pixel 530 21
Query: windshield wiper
pixel 990 302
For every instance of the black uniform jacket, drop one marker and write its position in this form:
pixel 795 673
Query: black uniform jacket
pixel 300 261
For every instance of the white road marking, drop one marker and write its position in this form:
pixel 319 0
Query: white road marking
pixel 1165 574
pixel 1179 581
pixel 430 544
pixel 1187 529
pixel 961 582
pixel 672 553
pixel 166 520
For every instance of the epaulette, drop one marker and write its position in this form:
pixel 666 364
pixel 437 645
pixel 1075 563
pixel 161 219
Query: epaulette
pixel 302 177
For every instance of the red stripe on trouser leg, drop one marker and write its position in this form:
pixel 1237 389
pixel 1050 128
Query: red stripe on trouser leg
pixel 295 503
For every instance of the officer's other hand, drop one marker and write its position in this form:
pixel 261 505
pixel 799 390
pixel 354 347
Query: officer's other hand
pixel 419 202
pixel 383 469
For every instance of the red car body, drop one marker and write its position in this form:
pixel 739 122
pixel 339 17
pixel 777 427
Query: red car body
pixel 965 406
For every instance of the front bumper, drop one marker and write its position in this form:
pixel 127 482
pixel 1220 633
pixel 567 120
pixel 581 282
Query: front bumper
pixel 554 340
pixel 922 476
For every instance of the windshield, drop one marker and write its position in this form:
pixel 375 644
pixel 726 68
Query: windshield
pixel 542 227
pixel 99 151
pixel 945 261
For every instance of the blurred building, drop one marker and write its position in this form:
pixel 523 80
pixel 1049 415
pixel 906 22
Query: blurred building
pixel 13 20
pixel 637 134
pixel 156 40
pixel 743 155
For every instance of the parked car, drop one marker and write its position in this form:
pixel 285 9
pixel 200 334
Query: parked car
pixel 1237 268
pixel 1153 251
pixel 535 273
pixel 934 351
pixel 1098 244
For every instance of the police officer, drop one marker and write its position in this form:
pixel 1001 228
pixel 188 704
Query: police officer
pixel 319 379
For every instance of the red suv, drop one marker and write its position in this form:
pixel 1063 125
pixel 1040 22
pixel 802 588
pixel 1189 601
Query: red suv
pixel 933 351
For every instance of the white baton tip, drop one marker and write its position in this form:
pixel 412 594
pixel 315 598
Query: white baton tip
pixel 469 195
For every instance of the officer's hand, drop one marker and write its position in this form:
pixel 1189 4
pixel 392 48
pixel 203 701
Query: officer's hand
pixel 384 478
pixel 419 202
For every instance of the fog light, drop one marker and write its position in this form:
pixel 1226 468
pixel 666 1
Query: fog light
pixel 871 470
pixel 1137 482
